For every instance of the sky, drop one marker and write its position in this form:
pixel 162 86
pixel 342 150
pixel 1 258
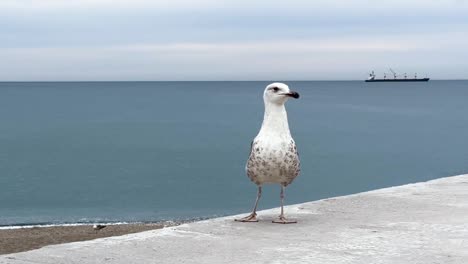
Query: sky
pixel 181 40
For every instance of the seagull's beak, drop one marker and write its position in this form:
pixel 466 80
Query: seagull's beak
pixel 292 94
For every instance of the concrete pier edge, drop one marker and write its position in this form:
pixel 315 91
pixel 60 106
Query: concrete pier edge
pixel 423 222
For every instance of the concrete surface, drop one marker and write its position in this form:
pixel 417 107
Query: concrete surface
pixel 416 223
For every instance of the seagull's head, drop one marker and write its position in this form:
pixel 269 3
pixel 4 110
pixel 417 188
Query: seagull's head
pixel 278 93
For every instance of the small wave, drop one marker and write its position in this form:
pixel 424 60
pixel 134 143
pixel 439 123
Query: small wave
pixel 19 226
pixel 162 222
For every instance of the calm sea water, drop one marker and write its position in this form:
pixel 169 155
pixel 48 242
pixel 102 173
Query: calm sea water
pixel 148 151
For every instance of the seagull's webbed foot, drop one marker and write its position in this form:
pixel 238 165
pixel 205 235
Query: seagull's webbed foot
pixel 282 220
pixel 250 218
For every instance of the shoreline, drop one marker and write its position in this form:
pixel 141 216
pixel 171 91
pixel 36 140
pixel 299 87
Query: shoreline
pixel 15 239
pixel 71 224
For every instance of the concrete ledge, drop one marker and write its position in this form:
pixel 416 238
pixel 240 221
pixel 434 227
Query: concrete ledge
pixel 417 223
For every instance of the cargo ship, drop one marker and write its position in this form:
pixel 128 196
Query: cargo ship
pixel 396 78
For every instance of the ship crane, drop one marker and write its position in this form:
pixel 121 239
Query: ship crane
pixel 396 78
pixel 394 73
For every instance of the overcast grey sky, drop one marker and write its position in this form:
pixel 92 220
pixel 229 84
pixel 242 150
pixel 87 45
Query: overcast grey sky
pixel 230 40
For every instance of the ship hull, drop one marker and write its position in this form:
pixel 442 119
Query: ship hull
pixel 398 80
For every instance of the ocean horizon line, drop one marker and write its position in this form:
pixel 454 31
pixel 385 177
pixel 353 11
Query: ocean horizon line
pixel 163 81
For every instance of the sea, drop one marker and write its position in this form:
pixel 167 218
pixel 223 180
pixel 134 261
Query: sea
pixel 86 152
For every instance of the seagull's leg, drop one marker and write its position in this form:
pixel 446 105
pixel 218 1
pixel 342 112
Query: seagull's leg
pixel 253 216
pixel 282 219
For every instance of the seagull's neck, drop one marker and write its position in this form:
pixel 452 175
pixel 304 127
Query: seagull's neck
pixel 275 121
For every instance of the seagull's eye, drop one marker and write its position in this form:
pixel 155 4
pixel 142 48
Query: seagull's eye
pixel 275 89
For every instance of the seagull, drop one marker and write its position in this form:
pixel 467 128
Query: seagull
pixel 98 227
pixel 273 154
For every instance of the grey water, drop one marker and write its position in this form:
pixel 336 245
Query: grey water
pixel 74 152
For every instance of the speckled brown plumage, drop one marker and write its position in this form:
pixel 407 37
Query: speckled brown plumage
pixel 273 162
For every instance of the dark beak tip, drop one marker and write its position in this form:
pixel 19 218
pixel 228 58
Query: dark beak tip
pixel 294 95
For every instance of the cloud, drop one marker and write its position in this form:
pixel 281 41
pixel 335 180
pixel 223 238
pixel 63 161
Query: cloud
pixel 107 26
pixel 355 5
pixel 333 58
pixel 201 40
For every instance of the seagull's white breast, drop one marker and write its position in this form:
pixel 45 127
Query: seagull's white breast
pixel 273 160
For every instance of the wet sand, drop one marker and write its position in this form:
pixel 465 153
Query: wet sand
pixel 24 239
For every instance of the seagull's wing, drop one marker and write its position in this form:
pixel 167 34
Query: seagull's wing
pixel 249 166
pixel 294 167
